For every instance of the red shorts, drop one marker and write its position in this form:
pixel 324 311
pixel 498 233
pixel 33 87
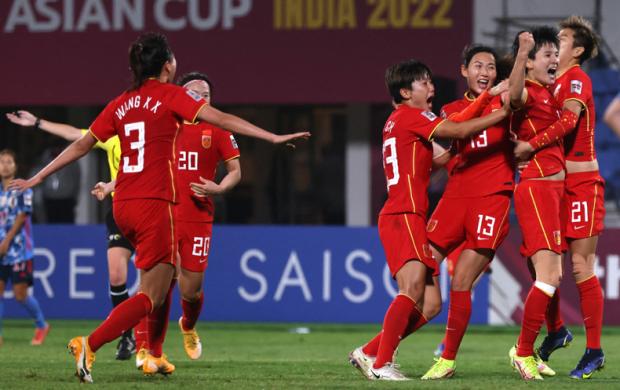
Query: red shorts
pixel 149 226
pixel 404 238
pixel 585 204
pixel 194 240
pixel 538 207
pixel 482 223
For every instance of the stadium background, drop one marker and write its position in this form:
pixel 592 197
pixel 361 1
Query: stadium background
pixel 295 241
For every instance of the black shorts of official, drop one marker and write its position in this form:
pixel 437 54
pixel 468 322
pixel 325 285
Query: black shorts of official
pixel 115 237
pixel 18 273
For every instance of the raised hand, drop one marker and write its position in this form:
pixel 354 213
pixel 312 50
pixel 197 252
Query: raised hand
pixel 22 118
pixel 500 88
pixel 526 42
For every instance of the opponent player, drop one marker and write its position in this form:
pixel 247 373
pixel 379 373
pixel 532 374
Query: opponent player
pixel 474 207
pixel 542 181
pixel 119 249
pixel 407 158
pixel 146 118
pixel 584 196
pixel 16 247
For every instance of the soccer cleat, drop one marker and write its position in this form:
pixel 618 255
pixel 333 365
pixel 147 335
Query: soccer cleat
pixel 191 341
pixel 443 368
pixel 439 351
pixel 362 362
pixel 389 372
pixel 592 360
pixel 125 348
pixel 140 357
pixel 556 340
pixel 527 367
pixel 153 365
pixel 84 358
pixel 40 334
pixel 543 367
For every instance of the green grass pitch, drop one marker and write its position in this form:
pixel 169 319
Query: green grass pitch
pixel 268 356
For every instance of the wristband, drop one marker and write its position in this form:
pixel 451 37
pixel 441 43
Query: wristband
pixel 37 123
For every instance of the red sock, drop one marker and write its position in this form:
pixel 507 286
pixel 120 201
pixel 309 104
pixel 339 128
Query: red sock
pixel 158 324
pixel 397 318
pixel 533 317
pixel 416 322
pixel 140 332
pixel 123 317
pixel 554 317
pixel 459 313
pixel 191 312
pixel 591 299
pixel 372 346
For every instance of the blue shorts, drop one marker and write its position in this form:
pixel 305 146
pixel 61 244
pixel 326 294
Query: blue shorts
pixel 18 273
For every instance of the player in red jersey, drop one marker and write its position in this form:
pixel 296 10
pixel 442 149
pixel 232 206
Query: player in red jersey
pixel 473 210
pixel 541 183
pixel 147 119
pixel 584 197
pixel 407 160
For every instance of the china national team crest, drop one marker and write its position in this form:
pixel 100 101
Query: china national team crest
pixel 558 237
pixel 206 138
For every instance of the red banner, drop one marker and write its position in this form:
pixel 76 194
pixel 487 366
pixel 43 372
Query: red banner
pixel 511 281
pixel 272 51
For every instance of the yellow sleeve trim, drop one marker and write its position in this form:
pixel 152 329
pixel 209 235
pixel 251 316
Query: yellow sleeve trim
pixel 233 158
pixel 578 100
pixel 198 112
pixel 430 136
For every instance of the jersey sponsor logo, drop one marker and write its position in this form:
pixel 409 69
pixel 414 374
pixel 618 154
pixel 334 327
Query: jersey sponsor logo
pixel 233 141
pixel 557 235
pixel 206 139
pixel 432 225
pixel 575 86
pixel 193 95
pixel 429 115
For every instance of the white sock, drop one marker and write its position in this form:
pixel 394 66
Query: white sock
pixel 544 287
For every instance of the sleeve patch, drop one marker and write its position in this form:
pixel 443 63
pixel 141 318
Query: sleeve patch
pixel 575 86
pixel 429 115
pixel 233 141
pixel 28 199
pixel 193 95
pixel 443 114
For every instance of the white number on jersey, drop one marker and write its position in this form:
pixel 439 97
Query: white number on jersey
pixel 201 246
pixel 486 225
pixel 138 145
pixel 579 212
pixel 479 140
pixel 188 161
pixel 391 159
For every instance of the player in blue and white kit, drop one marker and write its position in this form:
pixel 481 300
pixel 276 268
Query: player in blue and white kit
pixel 16 246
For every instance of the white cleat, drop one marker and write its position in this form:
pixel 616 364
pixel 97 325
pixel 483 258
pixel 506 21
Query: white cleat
pixel 362 362
pixel 389 372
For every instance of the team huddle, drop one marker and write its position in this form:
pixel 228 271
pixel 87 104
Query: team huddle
pixel 540 123
pixel 164 142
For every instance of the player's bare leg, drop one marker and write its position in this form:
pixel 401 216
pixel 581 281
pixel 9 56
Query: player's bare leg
pixel 118 260
pixel 583 256
pixel 190 286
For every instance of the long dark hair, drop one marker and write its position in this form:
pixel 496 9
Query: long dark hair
pixel 147 56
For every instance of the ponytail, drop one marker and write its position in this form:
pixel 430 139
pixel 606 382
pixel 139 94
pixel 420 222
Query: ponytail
pixel 147 56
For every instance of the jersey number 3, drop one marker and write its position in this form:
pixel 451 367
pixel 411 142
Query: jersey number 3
pixel 391 159
pixel 137 145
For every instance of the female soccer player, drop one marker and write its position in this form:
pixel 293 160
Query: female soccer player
pixel 146 118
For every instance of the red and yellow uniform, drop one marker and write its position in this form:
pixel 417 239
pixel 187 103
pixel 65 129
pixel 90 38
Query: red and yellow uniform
pixel 538 202
pixel 200 147
pixel 585 191
pixel 407 161
pixel 475 204
pixel 147 121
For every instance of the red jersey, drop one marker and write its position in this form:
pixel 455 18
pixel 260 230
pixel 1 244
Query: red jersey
pixel 408 159
pixel 146 121
pixel 575 84
pixel 485 160
pixel 540 111
pixel 200 147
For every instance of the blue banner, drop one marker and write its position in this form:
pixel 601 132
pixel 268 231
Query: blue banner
pixel 258 273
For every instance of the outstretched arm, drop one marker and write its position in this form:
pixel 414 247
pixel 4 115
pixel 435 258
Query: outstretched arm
pixel 612 115
pixel 71 153
pixel 240 126
pixel 449 129
pixel 25 118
